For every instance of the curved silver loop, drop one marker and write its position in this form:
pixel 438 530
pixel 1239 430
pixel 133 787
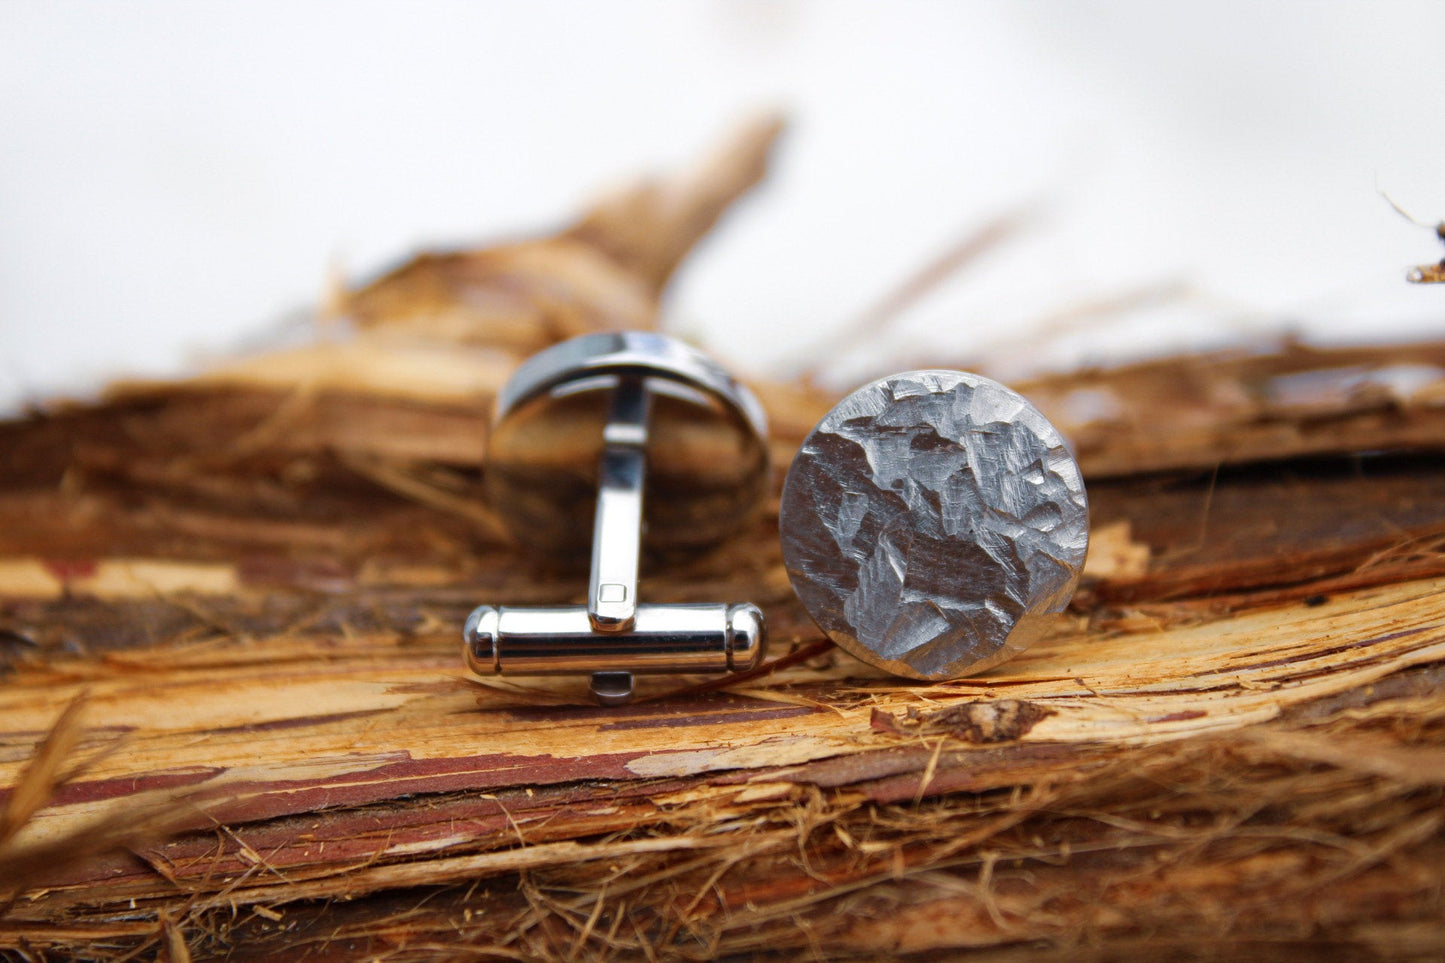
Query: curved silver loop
pixel 627 353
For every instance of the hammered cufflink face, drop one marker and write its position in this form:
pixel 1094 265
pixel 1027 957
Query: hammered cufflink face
pixel 933 522
pixel 640 443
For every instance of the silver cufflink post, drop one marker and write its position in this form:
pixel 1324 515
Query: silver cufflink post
pixel 599 425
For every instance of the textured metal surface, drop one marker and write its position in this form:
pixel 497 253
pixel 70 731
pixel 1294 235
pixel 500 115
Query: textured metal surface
pixel 933 522
pixel 559 639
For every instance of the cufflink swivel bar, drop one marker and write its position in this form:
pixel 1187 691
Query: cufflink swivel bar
pixel 654 397
pixel 558 640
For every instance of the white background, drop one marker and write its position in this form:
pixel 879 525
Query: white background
pixel 175 177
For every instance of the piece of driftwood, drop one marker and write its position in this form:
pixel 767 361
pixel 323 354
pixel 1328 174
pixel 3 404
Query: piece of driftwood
pixel 234 720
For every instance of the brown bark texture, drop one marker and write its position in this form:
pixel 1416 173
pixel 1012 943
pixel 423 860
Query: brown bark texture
pixel 234 720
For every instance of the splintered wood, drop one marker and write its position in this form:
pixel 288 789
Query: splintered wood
pixel 234 720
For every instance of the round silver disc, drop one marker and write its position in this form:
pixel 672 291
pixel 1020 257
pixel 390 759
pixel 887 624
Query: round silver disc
pixel 707 461
pixel 932 523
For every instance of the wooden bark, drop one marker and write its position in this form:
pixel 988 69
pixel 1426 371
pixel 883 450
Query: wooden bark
pixel 234 720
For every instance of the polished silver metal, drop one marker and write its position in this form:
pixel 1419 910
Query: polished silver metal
pixel 635 352
pixel 933 523
pixel 617 530
pixel 560 640
pixel 606 423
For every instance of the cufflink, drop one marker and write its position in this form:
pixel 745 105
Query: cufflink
pixel 933 523
pixel 657 452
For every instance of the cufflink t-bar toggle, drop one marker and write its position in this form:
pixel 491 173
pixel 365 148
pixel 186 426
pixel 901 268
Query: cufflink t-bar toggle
pixel 606 422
